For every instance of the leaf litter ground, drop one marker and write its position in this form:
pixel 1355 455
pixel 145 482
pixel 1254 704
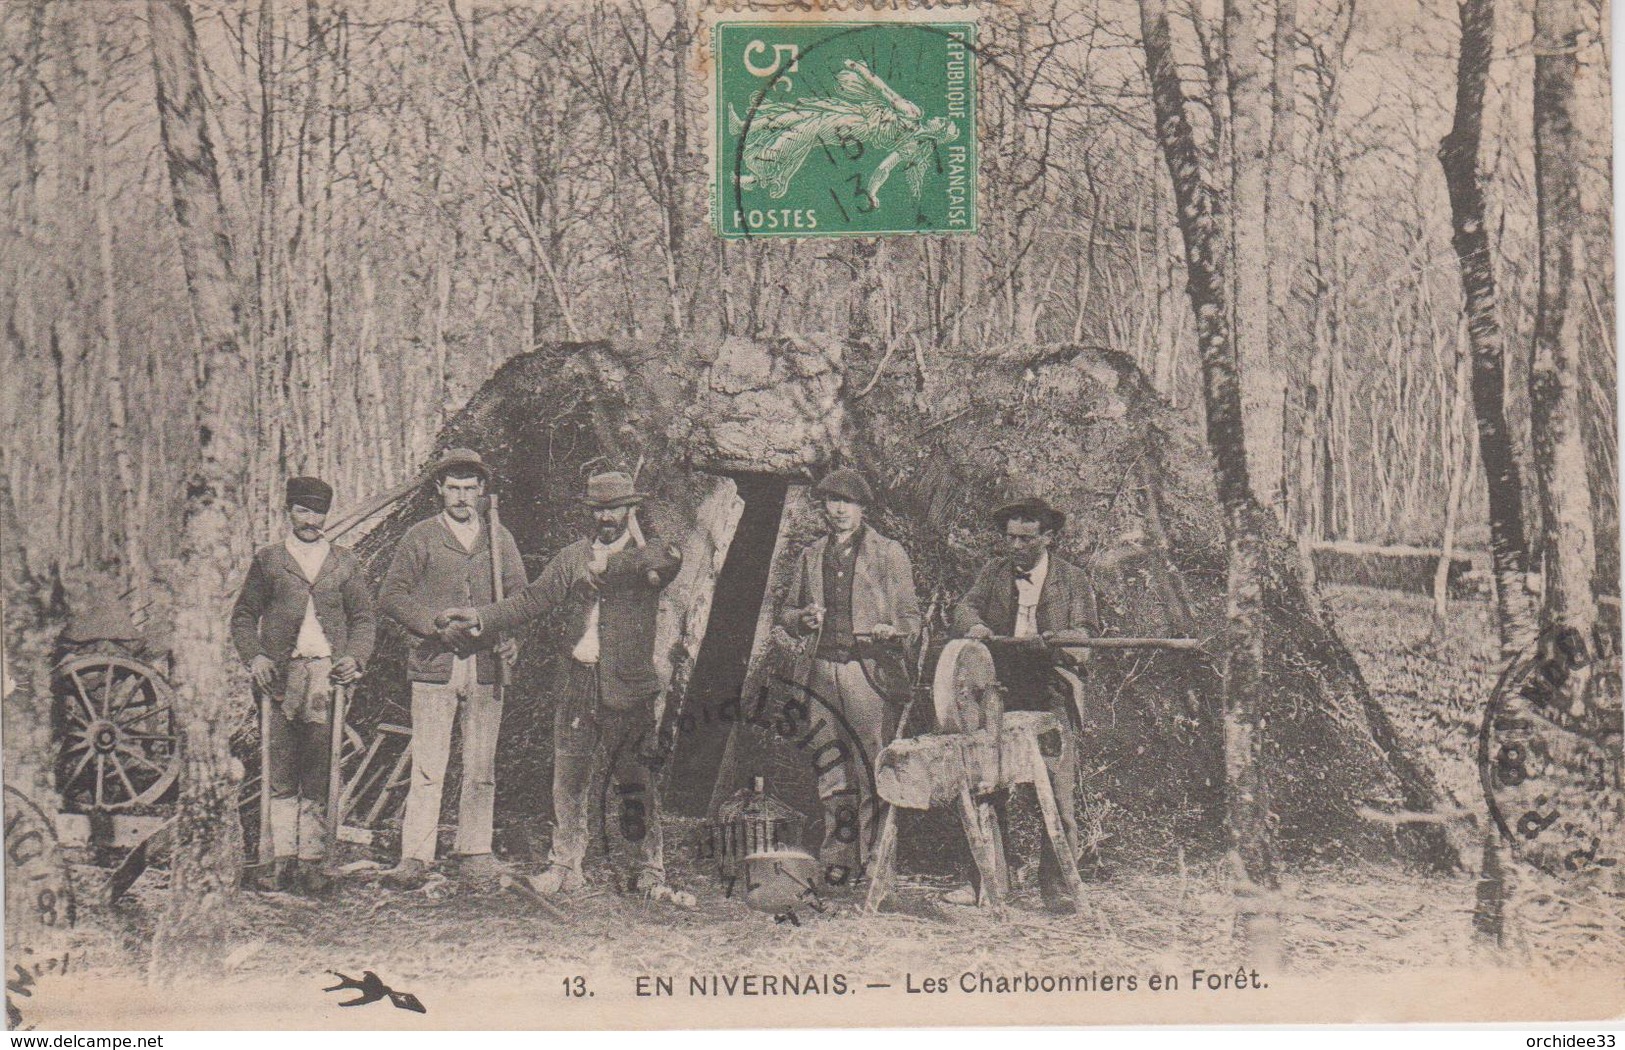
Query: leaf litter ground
pixel 1165 914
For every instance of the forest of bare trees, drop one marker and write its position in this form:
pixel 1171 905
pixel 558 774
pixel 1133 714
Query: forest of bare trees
pixel 415 191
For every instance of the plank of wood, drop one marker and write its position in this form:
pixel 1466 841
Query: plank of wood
pixel 883 870
pixel 982 850
pixel 1065 848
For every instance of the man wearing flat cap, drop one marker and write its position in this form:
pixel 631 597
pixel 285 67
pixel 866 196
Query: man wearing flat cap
pixel 607 586
pixel 1028 592
pixel 441 562
pixel 303 621
pixel 852 598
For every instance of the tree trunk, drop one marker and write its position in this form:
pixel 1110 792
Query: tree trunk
pixel 1249 163
pixel 1278 195
pixel 208 837
pixel 1201 225
pixel 267 303
pixel 1459 155
pixel 130 528
pixel 1568 539
pixel 1453 441
pixel 1284 254
pixel 677 171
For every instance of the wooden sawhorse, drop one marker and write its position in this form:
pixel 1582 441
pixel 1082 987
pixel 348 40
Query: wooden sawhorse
pixel 961 769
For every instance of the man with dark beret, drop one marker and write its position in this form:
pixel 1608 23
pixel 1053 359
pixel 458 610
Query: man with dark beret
pixel 1027 591
pixel 852 598
pixel 303 621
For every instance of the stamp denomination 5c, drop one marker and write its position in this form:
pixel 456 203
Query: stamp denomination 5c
pixel 828 129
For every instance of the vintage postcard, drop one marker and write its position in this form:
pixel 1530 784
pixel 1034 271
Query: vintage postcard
pixel 672 514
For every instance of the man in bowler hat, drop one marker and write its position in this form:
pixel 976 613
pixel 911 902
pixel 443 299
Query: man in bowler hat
pixel 607 585
pixel 444 561
pixel 302 622
pixel 852 598
pixel 1027 591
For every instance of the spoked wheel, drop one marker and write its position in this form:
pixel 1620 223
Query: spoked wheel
pixel 119 740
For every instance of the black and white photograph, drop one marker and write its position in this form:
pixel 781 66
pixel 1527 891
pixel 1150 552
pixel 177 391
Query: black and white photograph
pixel 673 514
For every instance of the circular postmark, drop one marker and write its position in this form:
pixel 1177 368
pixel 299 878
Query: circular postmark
pixel 39 895
pixel 1549 755
pixel 40 905
pixel 794 716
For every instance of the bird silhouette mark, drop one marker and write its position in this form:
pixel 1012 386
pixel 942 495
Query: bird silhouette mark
pixel 372 989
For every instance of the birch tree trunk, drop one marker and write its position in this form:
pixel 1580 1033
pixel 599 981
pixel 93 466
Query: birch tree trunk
pixel 1201 224
pixel 1459 154
pixel 1568 538
pixel 208 837
pixel 1249 163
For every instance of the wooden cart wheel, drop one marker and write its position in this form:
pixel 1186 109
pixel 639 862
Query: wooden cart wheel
pixel 964 689
pixel 120 742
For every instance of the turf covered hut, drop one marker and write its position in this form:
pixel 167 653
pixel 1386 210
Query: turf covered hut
pixel 726 436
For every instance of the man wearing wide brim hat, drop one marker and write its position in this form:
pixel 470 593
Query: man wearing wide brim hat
pixel 302 622
pixel 607 586
pixel 852 599
pixel 444 561
pixel 611 490
pixel 1026 591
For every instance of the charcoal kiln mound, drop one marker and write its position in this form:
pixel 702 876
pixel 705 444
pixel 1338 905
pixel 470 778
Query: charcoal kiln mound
pixel 726 436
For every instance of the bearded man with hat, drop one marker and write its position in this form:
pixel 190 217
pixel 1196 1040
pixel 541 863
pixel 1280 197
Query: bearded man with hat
pixel 607 586
pixel 852 599
pixel 1027 592
pixel 443 561
pixel 302 622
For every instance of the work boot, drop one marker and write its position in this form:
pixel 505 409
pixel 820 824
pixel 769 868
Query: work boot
pixel 314 881
pixel 554 880
pixel 654 888
pixel 409 874
pixel 481 871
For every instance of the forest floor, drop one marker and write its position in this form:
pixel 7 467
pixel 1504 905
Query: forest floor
pixel 1165 917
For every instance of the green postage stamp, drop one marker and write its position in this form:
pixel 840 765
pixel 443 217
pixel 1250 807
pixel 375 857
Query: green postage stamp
pixel 830 129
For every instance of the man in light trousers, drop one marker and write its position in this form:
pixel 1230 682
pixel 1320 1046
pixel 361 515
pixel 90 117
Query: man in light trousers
pixel 446 561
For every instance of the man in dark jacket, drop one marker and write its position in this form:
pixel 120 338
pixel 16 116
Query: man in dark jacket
pixel 303 620
pixel 852 597
pixel 1029 592
pixel 608 587
pixel 441 562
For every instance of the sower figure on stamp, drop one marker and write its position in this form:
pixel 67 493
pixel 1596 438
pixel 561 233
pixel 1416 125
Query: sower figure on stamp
pixel 1029 592
pixel 608 586
pixel 303 621
pixel 441 562
pixel 852 597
